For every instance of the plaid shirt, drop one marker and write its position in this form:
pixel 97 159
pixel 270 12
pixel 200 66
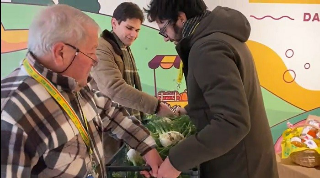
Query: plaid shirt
pixel 38 139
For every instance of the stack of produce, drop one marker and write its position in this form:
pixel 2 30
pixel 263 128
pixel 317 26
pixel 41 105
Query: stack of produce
pixel 167 132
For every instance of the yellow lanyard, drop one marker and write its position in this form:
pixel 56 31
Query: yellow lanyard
pixel 61 100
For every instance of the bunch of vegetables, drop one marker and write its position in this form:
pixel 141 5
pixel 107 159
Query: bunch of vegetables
pixel 167 132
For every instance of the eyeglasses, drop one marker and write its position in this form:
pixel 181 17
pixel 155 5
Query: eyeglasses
pixel 95 62
pixel 162 31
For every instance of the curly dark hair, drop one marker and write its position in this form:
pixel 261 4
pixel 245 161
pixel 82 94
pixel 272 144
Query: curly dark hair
pixel 169 9
pixel 128 10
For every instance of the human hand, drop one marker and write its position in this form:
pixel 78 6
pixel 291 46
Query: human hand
pixel 180 111
pixel 164 110
pixel 154 160
pixel 166 170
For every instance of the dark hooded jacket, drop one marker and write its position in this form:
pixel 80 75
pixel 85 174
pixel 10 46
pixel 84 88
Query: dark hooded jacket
pixel 225 102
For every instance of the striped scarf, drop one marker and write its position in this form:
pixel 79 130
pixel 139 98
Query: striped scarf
pixel 131 75
pixel 190 25
pixel 188 28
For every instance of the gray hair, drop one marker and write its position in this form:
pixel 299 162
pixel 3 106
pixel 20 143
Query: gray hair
pixel 58 23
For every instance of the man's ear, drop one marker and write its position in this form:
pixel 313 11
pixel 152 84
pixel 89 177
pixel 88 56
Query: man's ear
pixel 114 23
pixel 182 18
pixel 58 51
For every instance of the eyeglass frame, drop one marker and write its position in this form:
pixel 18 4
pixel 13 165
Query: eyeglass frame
pixel 95 62
pixel 162 30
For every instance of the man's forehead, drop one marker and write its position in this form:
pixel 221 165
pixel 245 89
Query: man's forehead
pixel 131 20
pixel 133 23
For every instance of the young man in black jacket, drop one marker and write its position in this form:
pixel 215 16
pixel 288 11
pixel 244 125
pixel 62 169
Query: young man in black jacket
pixel 224 96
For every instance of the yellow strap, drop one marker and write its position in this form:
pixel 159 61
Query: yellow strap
pixel 180 74
pixel 61 100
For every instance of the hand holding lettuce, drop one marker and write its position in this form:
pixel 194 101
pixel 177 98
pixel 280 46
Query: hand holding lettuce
pixel 167 132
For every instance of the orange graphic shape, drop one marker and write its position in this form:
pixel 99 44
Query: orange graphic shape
pixel 167 62
pixel 13 40
pixel 184 96
pixel 287 1
pixel 275 77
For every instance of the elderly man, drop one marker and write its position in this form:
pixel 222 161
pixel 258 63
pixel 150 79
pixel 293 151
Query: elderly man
pixel 52 122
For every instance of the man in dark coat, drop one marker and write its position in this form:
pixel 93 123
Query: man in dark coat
pixel 224 95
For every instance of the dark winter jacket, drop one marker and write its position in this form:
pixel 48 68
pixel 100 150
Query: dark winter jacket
pixel 225 102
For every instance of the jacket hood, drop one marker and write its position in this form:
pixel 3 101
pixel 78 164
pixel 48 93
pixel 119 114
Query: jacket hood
pixel 224 20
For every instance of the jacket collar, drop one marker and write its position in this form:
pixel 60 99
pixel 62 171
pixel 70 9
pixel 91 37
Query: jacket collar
pixel 112 39
pixel 183 50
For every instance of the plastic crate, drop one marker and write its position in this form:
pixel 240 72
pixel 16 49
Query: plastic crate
pixel 119 166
